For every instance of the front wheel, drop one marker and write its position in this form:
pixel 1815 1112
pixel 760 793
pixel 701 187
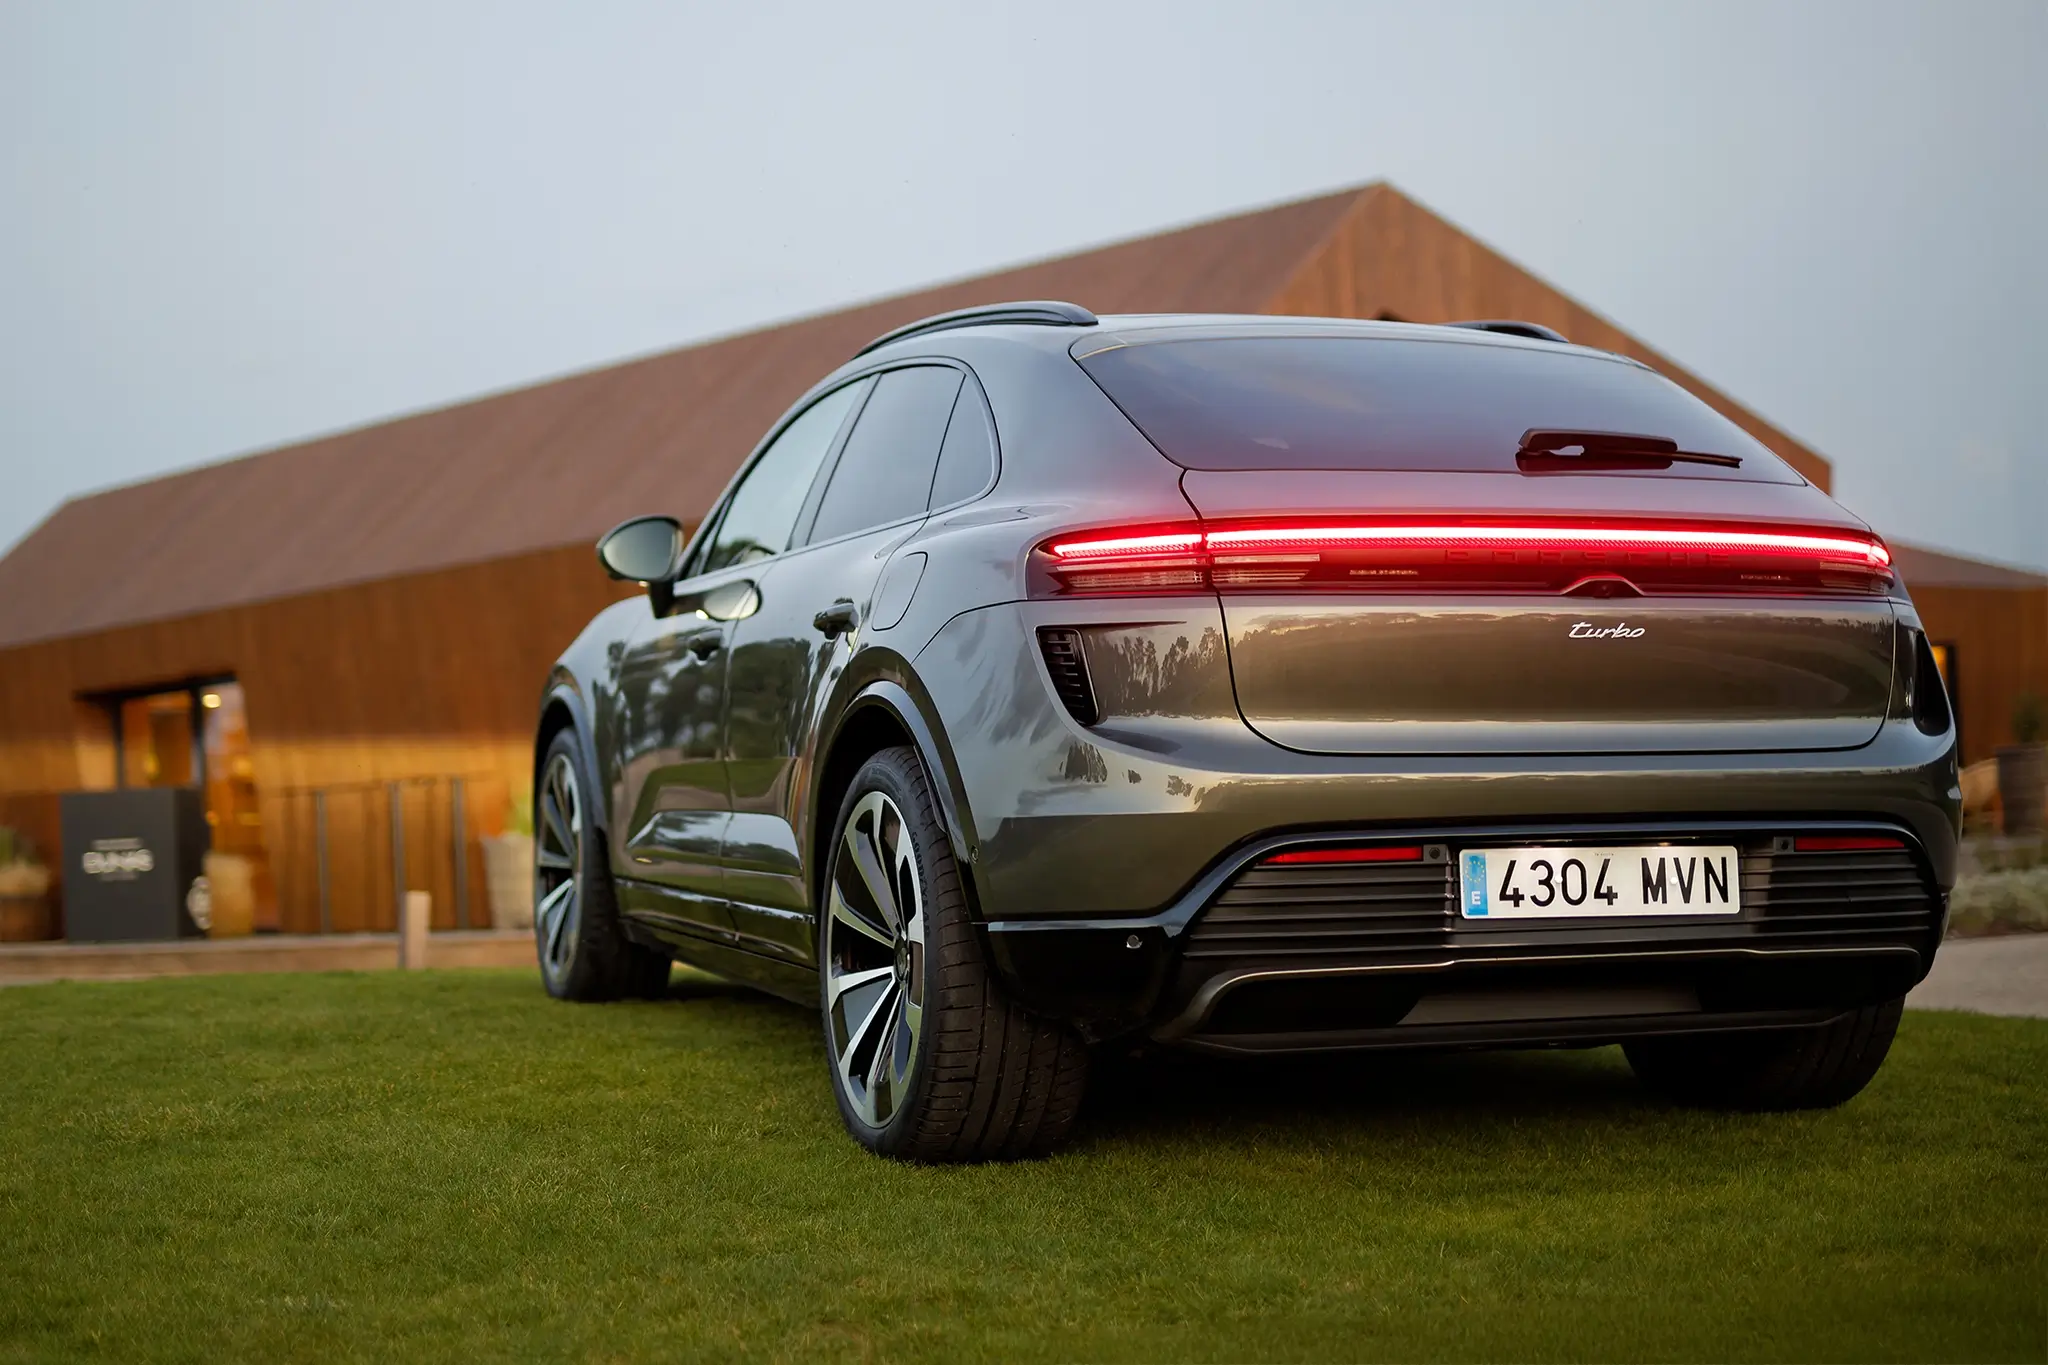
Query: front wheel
pixel 584 953
pixel 929 1062
pixel 1807 1068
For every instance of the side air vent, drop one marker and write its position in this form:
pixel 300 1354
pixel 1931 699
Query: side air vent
pixel 1930 695
pixel 1061 647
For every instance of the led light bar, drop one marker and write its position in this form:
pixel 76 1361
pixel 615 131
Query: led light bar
pixel 1172 543
pixel 1556 539
pixel 1497 556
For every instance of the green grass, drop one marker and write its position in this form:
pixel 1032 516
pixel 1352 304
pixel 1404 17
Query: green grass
pixel 449 1165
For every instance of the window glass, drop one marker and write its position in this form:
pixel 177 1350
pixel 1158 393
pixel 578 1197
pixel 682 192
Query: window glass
pixel 968 458
pixel 157 740
pixel 1386 403
pixel 885 472
pixel 763 511
pixel 238 870
pixel 198 736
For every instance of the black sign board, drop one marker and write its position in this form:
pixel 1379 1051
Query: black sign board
pixel 130 858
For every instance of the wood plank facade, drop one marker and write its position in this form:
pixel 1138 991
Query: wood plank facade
pixel 367 659
pixel 412 680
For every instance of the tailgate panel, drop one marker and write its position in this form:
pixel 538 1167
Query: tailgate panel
pixel 1341 675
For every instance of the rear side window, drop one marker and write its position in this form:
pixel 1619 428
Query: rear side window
pixel 885 472
pixel 763 510
pixel 1392 403
pixel 967 461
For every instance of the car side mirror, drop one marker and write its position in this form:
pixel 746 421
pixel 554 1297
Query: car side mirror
pixel 647 551
pixel 643 550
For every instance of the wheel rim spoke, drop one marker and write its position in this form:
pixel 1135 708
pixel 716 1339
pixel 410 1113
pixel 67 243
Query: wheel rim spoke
pixel 861 1038
pixel 872 876
pixel 551 811
pixel 845 914
pixel 873 950
pixel 881 1068
pixel 555 913
pixel 558 863
pixel 842 982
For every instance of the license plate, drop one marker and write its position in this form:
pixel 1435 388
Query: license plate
pixel 1553 883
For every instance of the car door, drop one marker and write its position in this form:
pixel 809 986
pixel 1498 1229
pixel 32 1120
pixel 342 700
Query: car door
pixel 814 602
pixel 673 802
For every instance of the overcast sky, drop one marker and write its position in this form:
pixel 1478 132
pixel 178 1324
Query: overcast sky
pixel 225 227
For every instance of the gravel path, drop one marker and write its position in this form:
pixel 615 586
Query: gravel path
pixel 2006 975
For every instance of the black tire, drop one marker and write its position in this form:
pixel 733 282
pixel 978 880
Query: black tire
pixel 980 1078
pixel 583 951
pixel 1809 1068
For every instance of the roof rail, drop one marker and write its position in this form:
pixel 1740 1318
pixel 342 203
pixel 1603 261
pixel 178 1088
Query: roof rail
pixel 1535 331
pixel 1041 312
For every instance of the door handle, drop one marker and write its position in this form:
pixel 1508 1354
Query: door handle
pixel 836 619
pixel 704 643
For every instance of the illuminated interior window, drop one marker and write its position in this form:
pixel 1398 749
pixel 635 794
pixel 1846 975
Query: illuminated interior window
pixel 197 735
pixel 158 747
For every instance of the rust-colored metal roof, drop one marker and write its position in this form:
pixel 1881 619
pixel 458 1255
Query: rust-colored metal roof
pixel 555 463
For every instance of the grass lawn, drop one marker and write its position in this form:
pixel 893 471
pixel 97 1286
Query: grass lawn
pixel 450 1165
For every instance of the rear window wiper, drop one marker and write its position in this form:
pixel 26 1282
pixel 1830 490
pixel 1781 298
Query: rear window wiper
pixel 1553 452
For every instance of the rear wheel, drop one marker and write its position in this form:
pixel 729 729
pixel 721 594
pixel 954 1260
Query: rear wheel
pixel 929 1062
pixel 1813 1068
pixel 584 953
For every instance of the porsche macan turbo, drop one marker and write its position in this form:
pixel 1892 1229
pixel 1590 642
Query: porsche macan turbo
pixel 1254 685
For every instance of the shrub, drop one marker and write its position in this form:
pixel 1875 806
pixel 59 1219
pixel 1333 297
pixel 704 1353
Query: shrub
pixel 2000 903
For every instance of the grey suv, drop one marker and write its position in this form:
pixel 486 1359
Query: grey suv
pixel 1256 686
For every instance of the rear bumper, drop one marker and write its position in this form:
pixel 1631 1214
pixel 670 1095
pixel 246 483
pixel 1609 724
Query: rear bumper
pixel 1261 959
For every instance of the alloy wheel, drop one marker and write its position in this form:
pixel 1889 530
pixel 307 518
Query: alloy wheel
pixel 874 959
pixel 558 865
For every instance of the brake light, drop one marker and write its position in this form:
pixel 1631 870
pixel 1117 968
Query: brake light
pixel 1484 556
pixel 1843 843
pixel 1131 562
pixel 1380 854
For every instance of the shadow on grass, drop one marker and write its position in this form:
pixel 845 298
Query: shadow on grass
pixel 687 984
pixel 1163 1093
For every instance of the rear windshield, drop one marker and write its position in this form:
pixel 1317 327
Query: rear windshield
pixel 1396 403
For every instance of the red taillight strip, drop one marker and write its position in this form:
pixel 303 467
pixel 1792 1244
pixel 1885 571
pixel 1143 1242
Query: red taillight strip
pixel 1842 843
pixel 1422 556
pixel 1870 551
pixel 1403 854
pixel 1179 542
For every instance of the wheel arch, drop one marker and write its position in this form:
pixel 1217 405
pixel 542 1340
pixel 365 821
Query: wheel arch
pixel 880 716
pixel 563 708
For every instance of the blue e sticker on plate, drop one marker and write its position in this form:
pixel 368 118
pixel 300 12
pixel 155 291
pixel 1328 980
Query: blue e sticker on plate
pixel 1474 880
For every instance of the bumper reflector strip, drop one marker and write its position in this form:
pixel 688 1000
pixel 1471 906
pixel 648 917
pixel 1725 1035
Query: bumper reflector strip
pixel 1404 854
pixel 1843 843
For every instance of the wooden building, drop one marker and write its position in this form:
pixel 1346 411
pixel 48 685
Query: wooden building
pixel 349 635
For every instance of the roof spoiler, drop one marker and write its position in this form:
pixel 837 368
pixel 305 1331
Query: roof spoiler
pixel 1036 312
pixel 1535 331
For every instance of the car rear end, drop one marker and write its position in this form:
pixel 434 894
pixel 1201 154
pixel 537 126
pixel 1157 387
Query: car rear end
pixel 1477 690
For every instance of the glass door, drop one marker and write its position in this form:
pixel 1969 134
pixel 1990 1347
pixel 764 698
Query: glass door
pixel 198 736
